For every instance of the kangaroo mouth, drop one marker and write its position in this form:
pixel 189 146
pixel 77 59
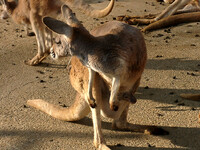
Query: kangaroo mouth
pixel 52 53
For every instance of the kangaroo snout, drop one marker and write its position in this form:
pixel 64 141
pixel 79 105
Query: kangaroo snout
pixel 52 53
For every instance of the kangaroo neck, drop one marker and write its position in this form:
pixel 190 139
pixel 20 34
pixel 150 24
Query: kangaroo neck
pixel 83 42
pixel 83 45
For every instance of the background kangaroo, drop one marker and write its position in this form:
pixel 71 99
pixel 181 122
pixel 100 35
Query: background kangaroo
pixel 32 11
pixel 177 5
pixel 187 10
pixel 79 76
pixel 179 11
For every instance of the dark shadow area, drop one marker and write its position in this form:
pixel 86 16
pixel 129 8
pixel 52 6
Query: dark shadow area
pixel 94 1
pixel 122 147
pixel 168 64
pixel 49 65
pixel 169 96
pixel 176 136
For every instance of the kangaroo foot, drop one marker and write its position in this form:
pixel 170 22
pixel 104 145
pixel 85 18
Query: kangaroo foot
pixel 151 130
pixel 92 102
pixel 33 61
pixel 36 60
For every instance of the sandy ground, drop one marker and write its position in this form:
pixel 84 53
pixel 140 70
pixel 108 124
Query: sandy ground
pixel 173 67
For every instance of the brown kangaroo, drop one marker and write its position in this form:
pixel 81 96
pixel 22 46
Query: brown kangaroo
pixel 180 11
pixel 112 40
pixel 180 6
pixel 32 11
pixel 119 45
pixel 186 11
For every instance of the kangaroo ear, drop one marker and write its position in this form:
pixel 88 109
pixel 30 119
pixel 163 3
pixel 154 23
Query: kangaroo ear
pixel 69 16
pixel 58 26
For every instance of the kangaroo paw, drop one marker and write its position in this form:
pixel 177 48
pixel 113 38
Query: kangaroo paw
pixel 92 102
pixel 31 62
pixel 36 60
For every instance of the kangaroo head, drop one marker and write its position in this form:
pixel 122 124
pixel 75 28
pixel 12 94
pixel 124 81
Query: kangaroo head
pixel 65 31
pixel 72 34
pixel 61 47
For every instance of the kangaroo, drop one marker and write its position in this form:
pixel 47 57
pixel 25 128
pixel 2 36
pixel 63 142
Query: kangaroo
pixel 32 11
pixel 180 11
pixel 177 5
pixel 115 39
pixel 118 53
pixel 186 10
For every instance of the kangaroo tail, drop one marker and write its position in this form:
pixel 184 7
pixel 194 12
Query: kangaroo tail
pixel 90 11
pixel 173 20
pixel 77 111
pixel 194 97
